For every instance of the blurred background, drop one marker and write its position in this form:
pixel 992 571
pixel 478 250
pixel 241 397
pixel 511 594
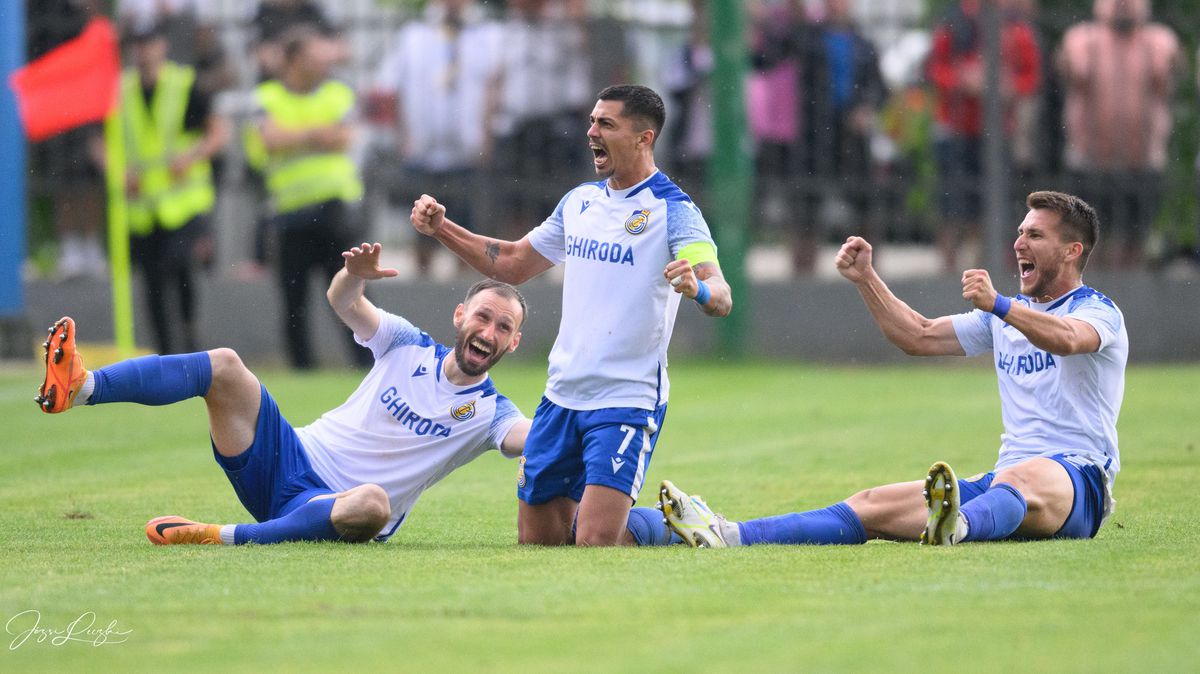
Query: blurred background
pixel 920 124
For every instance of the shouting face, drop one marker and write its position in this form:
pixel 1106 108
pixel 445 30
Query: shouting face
pixel 487 327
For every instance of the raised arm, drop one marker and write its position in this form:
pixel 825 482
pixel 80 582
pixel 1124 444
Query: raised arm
pixel 513 262
pixel 345 292
pixel 684 279
pixel 915 334
pixel 1059 336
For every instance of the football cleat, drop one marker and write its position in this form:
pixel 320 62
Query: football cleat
pixel 691 518
pixel 175 530
pixel 941 497
pixel 65 373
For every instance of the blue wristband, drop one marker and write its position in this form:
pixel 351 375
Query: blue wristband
pixel 703 294
pixel 1001 307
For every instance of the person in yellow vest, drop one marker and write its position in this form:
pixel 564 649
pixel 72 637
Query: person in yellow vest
pixel 170 135
pixel 305 128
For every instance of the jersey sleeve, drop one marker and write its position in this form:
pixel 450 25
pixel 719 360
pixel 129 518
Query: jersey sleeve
pixel 1101 314
pixel 687 231
pixel 549 238
pixel 394 332
pixel 974 331
pixel 507 415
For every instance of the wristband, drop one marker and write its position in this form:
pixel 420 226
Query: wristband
pixel 703 294
pixel 1001 307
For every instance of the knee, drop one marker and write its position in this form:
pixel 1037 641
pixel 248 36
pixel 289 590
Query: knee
pixel 226 365
pixel 362 513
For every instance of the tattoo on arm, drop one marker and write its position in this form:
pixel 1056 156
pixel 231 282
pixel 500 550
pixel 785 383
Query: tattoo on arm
pixel 493 251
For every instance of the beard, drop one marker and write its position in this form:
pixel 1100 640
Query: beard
pixel 472 369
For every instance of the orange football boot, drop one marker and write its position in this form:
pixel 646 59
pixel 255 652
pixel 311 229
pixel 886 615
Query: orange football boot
pixel 65 373
pixel 175 530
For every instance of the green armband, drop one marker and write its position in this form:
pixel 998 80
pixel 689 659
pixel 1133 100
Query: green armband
pixel 696 253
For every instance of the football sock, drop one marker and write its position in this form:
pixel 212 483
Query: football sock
pixel 153 380
pixel 995 514
pixel 647 527
pixel 85 391
pixel 837 524
pixel 309 522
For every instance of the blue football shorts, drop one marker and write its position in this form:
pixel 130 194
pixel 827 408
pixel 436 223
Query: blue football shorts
pixel 1087 512
pixel 569 449
pixel 273 477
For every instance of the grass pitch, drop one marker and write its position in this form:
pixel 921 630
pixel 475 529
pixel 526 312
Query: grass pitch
pixel 452 591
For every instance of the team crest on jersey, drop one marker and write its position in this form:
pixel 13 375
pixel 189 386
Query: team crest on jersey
pixel 636 224
pixel 464 411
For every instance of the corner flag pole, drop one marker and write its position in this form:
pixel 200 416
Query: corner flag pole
pixel 118 233
pixel 730 170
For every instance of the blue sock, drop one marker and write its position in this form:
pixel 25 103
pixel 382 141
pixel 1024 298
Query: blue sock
pixel 995 514
pixel 838 524
pixel 153 380
pixel 309 522
pixel 646 525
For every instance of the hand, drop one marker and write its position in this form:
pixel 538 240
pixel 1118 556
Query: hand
pixel 854 259
pixel 179 166
pixel 427 215
pixel 363 262
pixel 682 277
pixel 978 290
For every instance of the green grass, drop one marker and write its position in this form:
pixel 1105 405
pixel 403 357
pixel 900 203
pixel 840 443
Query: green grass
pixel 452 591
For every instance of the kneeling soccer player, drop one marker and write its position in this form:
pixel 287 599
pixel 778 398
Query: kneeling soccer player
pixel 1059 350
pixel 354 474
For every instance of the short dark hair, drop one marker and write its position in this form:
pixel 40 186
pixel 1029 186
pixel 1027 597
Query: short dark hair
pixel 640 103
pixel 296 38
pixel 1077 220
pixel 502 289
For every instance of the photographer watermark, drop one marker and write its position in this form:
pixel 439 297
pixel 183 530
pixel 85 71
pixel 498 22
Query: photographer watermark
pixel 28 627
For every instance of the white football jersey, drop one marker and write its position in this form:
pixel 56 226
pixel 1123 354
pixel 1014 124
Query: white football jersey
pixel 617 311
pixel 1056 404
pixel 406 426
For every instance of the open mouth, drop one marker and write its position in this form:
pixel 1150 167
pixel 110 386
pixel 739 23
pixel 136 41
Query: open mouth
pixel 1025 267
pixel 479 349
pixel 599 154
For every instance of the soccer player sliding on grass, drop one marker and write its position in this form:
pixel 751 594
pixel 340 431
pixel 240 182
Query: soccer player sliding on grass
pixel 354 474
pixel 1059 349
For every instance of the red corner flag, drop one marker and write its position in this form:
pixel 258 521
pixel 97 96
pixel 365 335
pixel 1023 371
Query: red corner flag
pixel 72 85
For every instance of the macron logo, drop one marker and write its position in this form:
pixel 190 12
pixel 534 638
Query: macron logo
pixel 616 464
pixel 421 369
pixel 585 205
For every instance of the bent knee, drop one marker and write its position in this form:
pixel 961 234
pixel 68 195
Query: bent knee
pixel 225 363
pixel 362 513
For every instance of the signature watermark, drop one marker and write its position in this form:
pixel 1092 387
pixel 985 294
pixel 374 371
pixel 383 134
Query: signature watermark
pixel 27 626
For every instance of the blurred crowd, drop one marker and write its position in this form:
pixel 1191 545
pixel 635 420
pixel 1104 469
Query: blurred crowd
pixel 485 104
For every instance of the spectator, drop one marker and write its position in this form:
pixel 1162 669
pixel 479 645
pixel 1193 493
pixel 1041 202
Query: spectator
pixel 441 77
pixel 956 70
pixel 171 134
pixel 273 19
pixel 1120 71
pixel 779 39
pixel 305 127
pixel 687 83
pixel 544 98
pixel 844 93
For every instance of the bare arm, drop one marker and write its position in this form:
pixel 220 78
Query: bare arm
pixel 514 442
pixel 684 278
pixel 509 261
pixel 333 138
pixel 345 292
pixel 1059 336
pixel 915 334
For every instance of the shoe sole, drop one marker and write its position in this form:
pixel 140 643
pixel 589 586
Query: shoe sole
pixel 941 498
pixel 55 394
pixel 670 501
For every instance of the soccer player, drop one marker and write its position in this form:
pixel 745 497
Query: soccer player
pixel 1059 349
pixel 631 244
pixel 354 474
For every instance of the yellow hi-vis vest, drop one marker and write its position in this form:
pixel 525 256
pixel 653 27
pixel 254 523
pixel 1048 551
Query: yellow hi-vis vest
pixel 154 135
pixel 300 178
